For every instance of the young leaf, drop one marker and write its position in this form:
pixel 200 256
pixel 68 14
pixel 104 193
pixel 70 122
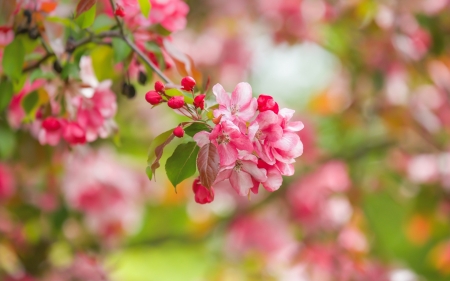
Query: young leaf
pixel 121 49
pixel 181 165
pixel 13 58
pixel 84 5
pixel 195 128
pixel 30 102
pixel 103 62
pixel 86 19
pixel 156 150
pixel 208 164
pixel 6 93
pixel 145 6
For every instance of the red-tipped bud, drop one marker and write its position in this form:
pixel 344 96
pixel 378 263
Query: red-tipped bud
pixel 120 12
pixel 178 132
pixel 51 124
pixel 267 103
pixel 203 195
pixel 153 97
pixel 217 119
pixel 176 102
pixel 199 101
pixel 159 86
pixel 188 83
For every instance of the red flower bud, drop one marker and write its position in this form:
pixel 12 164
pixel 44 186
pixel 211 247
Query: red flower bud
pixel 203 195
pixel 178 132
pixel 267 103
pixel 188 83
pixel 120 12
pixel 176 102
pixel 199 101
pixel 153 97
pixel 51 124
pixel 159 86
pixel 74 134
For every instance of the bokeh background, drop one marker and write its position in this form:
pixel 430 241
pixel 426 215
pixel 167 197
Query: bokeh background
pixel 370 199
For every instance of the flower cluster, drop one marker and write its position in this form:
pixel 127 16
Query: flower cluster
pixel 78 111
pixel 256 141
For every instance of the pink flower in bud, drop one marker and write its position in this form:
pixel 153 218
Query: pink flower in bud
pixel 6 35
pixel 159 86
pixel 74 134
pixel 203 195
pixel 51 124
pixel 178 132
pixel 120 12
pixel 199 101
pixel 188 83
pixel 153 97
pixel 176 102
pixel 267 103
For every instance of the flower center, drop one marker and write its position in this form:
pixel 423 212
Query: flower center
pixel 234 108
pixel 238 165
pixel 223 138
pixel 258 135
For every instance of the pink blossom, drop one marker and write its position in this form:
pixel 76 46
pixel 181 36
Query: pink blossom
pixel 6 35
pixel 74 134
pixel 241 106
pixel 7 182
pixel 243 175
pixel 228 139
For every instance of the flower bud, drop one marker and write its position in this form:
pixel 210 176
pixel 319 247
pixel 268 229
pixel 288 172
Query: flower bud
pixel 153 97
pixel 51 124
pixel 74 134
pixel 176 102
pixel 120 12
pixel 267 103
pixel 203 195
pixel 159 86
pixel 188 83
pixel 217 119
pixel 178 132
pixel 199 101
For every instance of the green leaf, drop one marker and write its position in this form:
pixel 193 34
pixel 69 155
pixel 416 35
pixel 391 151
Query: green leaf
pixel 70 70
pixel 102 23
pixel 39 73
pixel 64 21
pixel 195 128
pixel 86 19
pixel 8 143
pixel 103 63
pixel 121 49
pixel 175 92
pixel 182 164
pixel 6 93
pixel 13 58
pixel 145 6
pixel 30 102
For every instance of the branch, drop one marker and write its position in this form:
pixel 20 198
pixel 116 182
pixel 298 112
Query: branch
pixel 138 51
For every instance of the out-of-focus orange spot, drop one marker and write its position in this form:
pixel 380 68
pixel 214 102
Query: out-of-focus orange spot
pixel 48 6
pixel 174 198
pixel 418 230
pixel 327 103
pixel 396 119
pixel 440 257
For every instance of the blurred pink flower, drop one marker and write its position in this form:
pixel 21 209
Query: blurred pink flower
pixel 6 35
pixel 7 182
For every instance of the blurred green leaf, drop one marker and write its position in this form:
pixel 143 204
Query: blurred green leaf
pixel 39 73
pixel 103 62
pixel 87 18
pixel 121 49
pixel 6 93
pixel 151 150
pixel 182 164
pixel 13 58
pixel 145 6
pixel 30 102
pixel 7 143
pixel 102 23
pixel 194 128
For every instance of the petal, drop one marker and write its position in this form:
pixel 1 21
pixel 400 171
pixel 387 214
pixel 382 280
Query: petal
pixel 222 97
pixel 285 169
pixel 241 182
pixel 294 126
pixel 223 175
pixel 266 118
pixel 242 143
pixel 265 153
pixel 246 113
pixel 252 129
pixel 257 173
pixel 291 144
pixel 286 113
pixel 202 138
pixel 273 133
pixel 274 180
pixel 242 95
pixel 227 154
